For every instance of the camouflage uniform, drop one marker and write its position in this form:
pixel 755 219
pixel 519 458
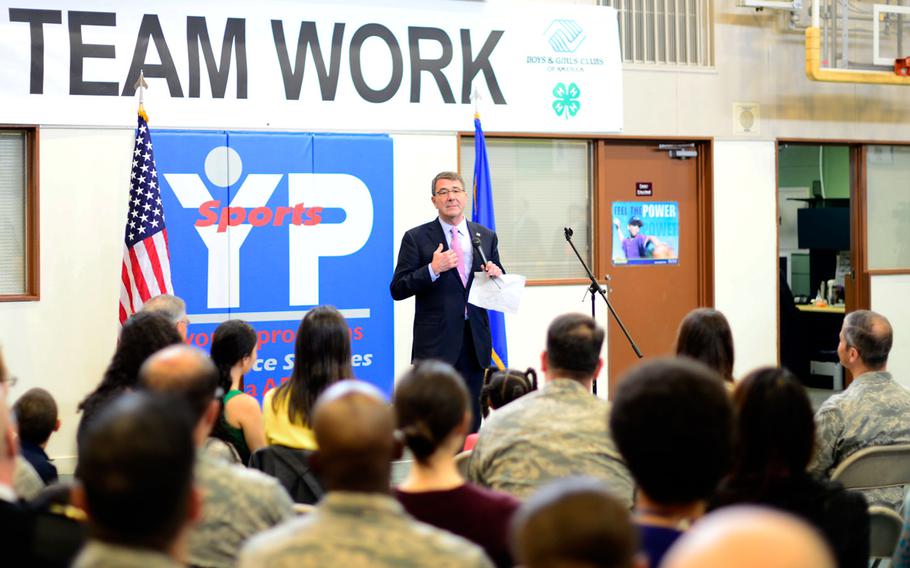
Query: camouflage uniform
pixel 236 504
pixel 98 554
pixel 561 430
pixel 873 411
pixel 354 530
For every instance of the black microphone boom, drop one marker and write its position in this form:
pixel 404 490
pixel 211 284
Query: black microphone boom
pixel 596 289
pixel 479 250
pixel 476 242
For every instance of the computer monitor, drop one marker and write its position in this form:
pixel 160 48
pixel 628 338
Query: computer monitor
pixel 823 228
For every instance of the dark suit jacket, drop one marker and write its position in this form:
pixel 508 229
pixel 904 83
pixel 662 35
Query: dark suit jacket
pixel 440 306
pixel 35 455
pixel 16 530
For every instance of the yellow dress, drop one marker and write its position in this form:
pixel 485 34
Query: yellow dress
pixel 279 431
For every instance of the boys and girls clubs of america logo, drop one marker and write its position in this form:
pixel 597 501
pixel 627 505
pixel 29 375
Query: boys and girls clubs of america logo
pixel 565 38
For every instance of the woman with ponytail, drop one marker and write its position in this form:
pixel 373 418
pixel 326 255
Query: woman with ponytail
pixel 234 347
pixel 434 414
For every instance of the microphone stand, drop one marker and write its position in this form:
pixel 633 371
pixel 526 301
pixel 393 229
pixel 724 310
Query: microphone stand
pixel 595 288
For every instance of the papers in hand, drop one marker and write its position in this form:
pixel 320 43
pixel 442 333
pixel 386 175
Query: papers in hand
pixel 502 293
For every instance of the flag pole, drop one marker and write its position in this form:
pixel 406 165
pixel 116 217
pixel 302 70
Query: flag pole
pixel 141 85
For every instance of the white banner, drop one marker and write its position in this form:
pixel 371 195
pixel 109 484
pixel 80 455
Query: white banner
pixel 282 64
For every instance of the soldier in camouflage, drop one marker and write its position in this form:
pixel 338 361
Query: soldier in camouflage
pixel 237 502
pixel 358 523
pixel 136 483
pixel 873 411
pixel 559 431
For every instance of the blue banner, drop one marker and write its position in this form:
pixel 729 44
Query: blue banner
pixel 263 227
pixel 645 232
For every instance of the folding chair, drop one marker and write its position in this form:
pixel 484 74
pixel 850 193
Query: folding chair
pixel 878 467
pixel 884 531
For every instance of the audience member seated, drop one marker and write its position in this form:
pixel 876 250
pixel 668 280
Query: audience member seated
pixel 750 537
pixel 142 335
pixel 136 483
pixel 171 307
pixel 16 522
pixel 434 414
pixel 36 416
pixel 358 523
pixel 322 356
pixel 557 431
pixel 499 389
pixel 240 423
pixel 237 502
pixel 26 482
pixel 575 523
pixel 28 536
pixel 873 411
pixel 672 421
pixel 704 335
pixel 776 436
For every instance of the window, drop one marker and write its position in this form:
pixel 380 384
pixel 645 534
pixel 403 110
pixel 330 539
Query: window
pixel 667 32
pixel 540 186
pixel 18 215
pixel 888 207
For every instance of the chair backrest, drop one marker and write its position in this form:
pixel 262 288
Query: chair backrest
pixel 463 462
pixel 291 467
pixel 874 467
pixel 884 531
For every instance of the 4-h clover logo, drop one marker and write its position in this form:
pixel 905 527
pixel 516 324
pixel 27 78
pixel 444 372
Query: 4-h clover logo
pixel 566 103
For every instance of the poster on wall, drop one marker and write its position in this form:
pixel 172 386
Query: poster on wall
pixel 265 226
pixel 645 232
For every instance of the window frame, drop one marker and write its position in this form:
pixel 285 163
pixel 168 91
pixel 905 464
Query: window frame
pixel 600 266
pixel 32 292
pixel 593 140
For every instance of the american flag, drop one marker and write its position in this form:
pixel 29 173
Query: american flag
pixel 146 270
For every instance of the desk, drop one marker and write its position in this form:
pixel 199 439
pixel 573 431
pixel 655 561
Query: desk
pixel 835 309
pixel 820 327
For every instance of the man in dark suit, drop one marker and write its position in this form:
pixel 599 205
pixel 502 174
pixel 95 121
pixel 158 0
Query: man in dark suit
pixel 436 264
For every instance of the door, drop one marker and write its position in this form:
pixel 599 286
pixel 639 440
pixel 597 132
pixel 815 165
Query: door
pixel 654 219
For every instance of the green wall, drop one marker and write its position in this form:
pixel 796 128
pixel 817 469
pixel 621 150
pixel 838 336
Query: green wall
pixel 798 167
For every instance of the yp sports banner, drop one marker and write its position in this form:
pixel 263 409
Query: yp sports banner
pixel 264 226
pixel 645 232
pixel 285 64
